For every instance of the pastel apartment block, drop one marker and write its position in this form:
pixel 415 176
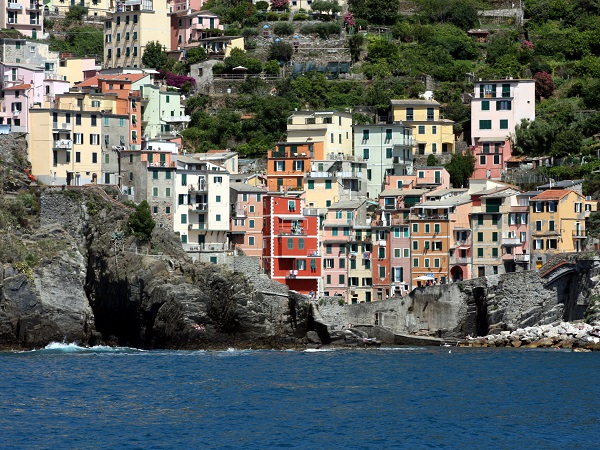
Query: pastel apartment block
pixel 387 149
pixel 333 129
pixel 202 208
pixel 433 134
pixel 246 228
pixel 288 163
pixel 162 112
pixel 557 224
pixel 291 244
pixel 497 107
pixel 190 27
pixel 24 16
pixel 130 26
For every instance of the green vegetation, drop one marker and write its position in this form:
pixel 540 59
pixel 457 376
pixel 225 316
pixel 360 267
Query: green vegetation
pixel 141 223
pixel 81 41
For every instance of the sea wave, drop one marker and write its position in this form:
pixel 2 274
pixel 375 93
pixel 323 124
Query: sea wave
pixel 72 347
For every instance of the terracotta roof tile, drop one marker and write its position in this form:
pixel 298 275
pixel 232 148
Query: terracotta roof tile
pixel 552 194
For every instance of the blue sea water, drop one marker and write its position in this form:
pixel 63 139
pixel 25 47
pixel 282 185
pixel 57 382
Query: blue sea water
pixel 65 396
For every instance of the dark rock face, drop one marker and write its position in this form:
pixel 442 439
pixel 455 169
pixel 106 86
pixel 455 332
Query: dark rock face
pixel 46 305
pixel 93 291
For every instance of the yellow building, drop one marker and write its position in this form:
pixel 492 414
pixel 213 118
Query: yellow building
pixel 332 128
pixel 73 69
pixel 96 8
pixel 432 228
pixel 557 223
pixel 432 133
pixel 130 27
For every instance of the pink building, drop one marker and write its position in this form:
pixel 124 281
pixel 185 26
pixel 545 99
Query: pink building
pixel 184 5
pixel 22 87
pixel 24 16
pixel 432 177
pixel 497 107
pixel 245 232
pixel 189 26
pixel 336 237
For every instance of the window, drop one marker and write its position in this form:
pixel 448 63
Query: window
pixel 299 166
pixel 430 114
pixel 480 219
pixel 415 245
pixel 342 263
pixel 218 199
pixel 479 236
pixel 426 261
pixel 365 154
pixel 427 228
pixel 415 262
pixel 406 252
pixel 506 90
pixel 485 124
pixel 328 184
pixel 539 207
pixel 155 174
pixel 217 180
pixel 167 193
pixel 388 153
pixel 396 253
pixel 388 135
pixel 78 138
pixel 480 252
pixel 279 166
pixel 410 114
pixel 485 105
pixel 482 160
pixel 538 244
pixel 369 174
pixel 311 184
pixel 415 227
pixel 290 244
pixel 503 105
pixel 495 236
pixel 328 264
pixel 421 129
pixel 496 159
pixel 382 272
pixel 218 218
pixel 94 139
pixel 551 225
pixel 154 192
pixel 538 225
pixel 94 120
pixel 504 124
pixel 434 129
pixel 365 135
pixel 577 207
pixel 436 228
pixel 342 280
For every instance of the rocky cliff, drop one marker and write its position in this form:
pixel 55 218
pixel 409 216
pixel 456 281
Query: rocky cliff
pixel 83 285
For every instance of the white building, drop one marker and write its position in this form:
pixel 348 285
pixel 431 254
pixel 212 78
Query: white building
pixel 202 207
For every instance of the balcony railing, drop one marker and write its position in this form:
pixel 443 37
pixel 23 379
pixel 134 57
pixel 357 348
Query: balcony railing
pixel 175 119
pixel 63 144
pixel 13 7
pixel 197 226
pixel 313 253
pixel 521 257
pixel 200 187
pixel 240 213
pixel 61 126
pixel 511 241
pixel 161 163
pixel 198 207
pixel 579 234
pixel 298 231
pixel 460 260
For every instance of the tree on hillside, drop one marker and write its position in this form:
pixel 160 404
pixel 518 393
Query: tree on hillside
pixel 154 56
pixel 460 168
pixel 195 55
pixel 280 51
pixel 140 222
pixel 544 85
pixel 462 13
pixel 375 12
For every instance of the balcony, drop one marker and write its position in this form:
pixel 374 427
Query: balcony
pixel 58 126
pixel 380 223
pixel 511 241
pixel 200 187
pixel 197 226
pixel 579 234
pixel 297 231
pixel 175 119
pixel 313 253
pixel 13 7
pixel 160 163
pixel 460 261
pixel 321 175
pixel 522 258
pixel 198 207
pixel 240 213
pixel 62 144
pixel 314 211
pixel 33 6
pixel 399 220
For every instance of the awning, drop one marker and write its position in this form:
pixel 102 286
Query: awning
pixel 425 278
pixel 492 139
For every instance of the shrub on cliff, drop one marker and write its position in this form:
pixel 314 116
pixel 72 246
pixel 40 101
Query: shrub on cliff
pixel 141 223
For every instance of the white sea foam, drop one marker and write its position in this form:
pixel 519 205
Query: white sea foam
pixel 319 350
pixel 71 347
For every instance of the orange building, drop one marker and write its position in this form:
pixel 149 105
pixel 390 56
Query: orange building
pixel 291 244
pixel 245 232
pixel 125 87
pixel 288 163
